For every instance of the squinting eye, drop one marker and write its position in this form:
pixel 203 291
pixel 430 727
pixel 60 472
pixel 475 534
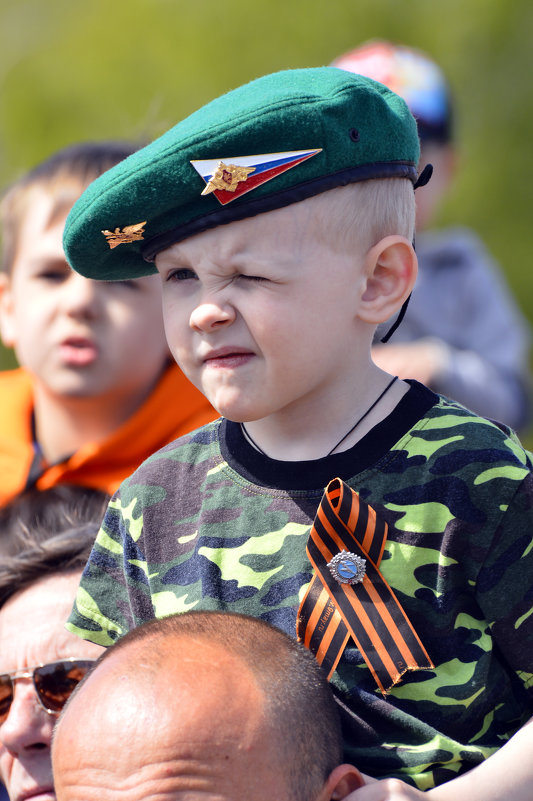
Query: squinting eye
pixel 253 278
pixel 181 275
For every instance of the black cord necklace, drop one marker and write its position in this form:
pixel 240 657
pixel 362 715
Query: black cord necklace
pixel 374 404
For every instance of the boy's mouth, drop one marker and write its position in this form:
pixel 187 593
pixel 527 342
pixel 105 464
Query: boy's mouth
pixel 227 357
pixel 78 351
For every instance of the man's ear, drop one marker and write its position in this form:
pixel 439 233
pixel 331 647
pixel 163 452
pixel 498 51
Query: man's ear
pixel 391 268
pixel 7 326
pixel 342 781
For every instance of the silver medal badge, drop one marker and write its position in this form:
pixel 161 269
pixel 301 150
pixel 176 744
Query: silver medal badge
pixel 347 568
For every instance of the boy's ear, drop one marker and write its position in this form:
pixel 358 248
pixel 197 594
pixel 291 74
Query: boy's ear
pixel 391 268
pixel 7 330
pixel 342 781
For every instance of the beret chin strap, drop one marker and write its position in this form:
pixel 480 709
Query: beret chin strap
pixel 397 321
pixel 422 180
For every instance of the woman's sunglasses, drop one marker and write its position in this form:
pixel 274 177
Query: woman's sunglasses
pixel 54 683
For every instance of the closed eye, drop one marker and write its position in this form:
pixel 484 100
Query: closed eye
pixel 253 277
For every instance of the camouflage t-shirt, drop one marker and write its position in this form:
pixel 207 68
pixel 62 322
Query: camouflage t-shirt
pixel 209 523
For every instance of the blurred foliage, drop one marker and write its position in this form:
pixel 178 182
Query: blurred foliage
pixel 92 69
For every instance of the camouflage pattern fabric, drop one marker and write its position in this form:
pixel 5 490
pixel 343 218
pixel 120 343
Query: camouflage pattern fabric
pixel 188 531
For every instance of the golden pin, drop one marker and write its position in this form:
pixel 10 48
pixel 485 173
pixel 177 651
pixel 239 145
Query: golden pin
pixel 227 177
pixel 130 233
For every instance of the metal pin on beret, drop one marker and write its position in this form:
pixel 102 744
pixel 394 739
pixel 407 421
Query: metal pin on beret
pixel 272 142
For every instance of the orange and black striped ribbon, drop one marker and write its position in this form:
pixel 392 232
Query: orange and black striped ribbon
pixel 369 612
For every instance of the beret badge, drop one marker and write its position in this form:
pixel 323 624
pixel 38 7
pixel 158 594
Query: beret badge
pixel 130 233
pixel 227 177
pixel 230 178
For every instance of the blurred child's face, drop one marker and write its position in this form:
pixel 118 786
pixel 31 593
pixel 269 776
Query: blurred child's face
pixel 261 314
pixel 78 337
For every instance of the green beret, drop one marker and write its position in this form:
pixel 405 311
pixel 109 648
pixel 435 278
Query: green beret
pixel 272 142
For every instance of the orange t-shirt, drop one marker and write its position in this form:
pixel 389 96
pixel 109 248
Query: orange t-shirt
pixel 174 408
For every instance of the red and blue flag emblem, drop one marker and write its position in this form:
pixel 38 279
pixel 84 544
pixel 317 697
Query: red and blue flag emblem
pixel 229 178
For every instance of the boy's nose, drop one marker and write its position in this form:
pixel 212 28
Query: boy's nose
pixel 208 316
pixel 81 296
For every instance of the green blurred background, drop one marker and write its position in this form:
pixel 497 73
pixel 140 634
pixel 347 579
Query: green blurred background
pixel 90 69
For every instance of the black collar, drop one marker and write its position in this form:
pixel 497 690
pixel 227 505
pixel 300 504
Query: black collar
pixel 315 473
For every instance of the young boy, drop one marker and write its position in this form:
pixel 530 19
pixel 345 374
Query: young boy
pixel 464 336
pixel 95 394
pixel 280 219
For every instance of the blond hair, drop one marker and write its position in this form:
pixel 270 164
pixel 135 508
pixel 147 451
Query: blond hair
pixel 359 215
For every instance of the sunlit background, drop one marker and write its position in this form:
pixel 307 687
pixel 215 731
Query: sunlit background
pixel 74 70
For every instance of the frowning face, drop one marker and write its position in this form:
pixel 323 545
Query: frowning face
pixel 261 314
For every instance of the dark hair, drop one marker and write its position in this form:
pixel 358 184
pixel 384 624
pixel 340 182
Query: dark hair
pixel 43 532
pixel 63 176
pixel 82 159
pixel 300 705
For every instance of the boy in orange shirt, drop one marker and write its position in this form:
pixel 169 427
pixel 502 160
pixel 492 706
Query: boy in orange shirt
pixel 96 392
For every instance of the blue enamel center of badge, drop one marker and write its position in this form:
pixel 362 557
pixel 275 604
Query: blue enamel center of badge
pixel 347 568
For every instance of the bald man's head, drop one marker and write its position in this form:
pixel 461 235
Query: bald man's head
pixel 199 706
